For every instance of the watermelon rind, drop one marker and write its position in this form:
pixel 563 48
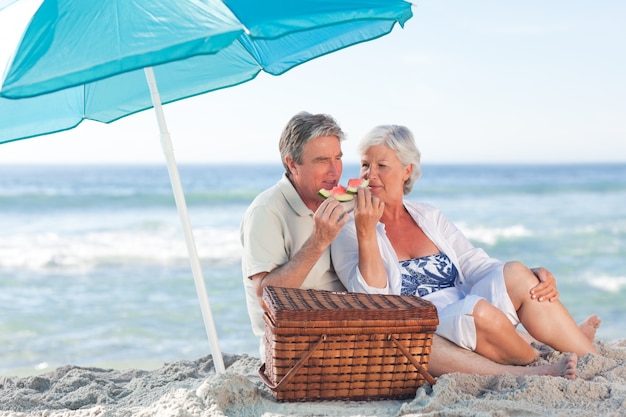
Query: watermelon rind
pixel 324 192
pixel 344 197
pixel 355 183
pixel 339 193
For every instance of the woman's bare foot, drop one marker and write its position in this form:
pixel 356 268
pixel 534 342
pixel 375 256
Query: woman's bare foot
pixel 566 367
pixel 589 326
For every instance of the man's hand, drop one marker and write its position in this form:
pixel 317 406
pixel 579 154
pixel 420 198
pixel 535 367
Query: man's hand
pixel 546 289
pixel 328 219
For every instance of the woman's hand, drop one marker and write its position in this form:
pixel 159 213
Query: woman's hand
pixel 368 210
pixel 546 289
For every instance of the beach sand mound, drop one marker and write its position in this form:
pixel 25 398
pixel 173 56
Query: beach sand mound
pixel 192 388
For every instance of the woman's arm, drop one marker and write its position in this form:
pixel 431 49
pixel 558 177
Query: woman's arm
pixel 367 212
pixel 344 252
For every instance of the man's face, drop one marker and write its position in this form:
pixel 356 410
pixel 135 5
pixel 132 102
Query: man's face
pixel 321 168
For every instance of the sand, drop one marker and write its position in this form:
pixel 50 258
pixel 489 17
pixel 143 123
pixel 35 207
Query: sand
pixel 192 388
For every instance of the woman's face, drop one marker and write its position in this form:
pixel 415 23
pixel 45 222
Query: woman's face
pixel 385 172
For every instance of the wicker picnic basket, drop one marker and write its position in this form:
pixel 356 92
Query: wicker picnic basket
pixel 324 345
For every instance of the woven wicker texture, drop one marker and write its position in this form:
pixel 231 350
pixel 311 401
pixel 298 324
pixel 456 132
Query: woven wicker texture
pixel 287 304
pixel 322 345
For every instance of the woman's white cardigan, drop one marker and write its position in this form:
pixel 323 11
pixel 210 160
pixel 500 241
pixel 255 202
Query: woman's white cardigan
pixel 472 263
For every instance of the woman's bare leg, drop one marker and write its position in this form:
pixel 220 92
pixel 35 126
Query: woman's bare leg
pixel 589 327
pixel 497 339
pixel 547 322
pixel 446 357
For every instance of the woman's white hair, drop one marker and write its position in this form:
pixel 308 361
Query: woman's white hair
pixel 399 139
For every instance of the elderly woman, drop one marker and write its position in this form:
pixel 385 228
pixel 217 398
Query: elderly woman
pixel 393 246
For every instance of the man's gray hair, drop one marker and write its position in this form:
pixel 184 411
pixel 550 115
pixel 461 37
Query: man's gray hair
pixel 302 128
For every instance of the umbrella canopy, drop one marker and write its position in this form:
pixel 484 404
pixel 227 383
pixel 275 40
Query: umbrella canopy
pixel 90 59
pixel 74 43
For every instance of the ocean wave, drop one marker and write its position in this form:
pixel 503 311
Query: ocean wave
pixel 492 235
pixel 608 283
pixel 41 202
pixel 160 246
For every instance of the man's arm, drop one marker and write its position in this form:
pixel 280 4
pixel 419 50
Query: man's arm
pixel 291 274
pixel 328 219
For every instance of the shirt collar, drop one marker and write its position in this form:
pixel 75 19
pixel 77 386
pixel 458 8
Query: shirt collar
pixel 292 197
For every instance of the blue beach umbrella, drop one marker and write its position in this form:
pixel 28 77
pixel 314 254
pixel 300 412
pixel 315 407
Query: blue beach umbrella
pixel 102 59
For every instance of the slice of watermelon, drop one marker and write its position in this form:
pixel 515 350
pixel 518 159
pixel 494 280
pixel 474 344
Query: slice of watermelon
pixel 355 183
pixel 338 191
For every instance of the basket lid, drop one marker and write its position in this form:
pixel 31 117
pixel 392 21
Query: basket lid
pixel 297 304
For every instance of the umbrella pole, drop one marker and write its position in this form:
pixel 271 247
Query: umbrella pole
pixel 179 197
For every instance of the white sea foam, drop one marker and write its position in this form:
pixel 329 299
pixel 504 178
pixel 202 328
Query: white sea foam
pixel 608 283
pixel 491 235
pixel 80 251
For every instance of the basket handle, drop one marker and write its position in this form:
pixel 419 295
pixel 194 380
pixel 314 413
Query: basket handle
pixel 427 376
pixel 293 371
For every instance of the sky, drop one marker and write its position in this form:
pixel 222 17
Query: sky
pixel 496 81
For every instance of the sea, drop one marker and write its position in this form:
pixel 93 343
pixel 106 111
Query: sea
pixel 94 269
